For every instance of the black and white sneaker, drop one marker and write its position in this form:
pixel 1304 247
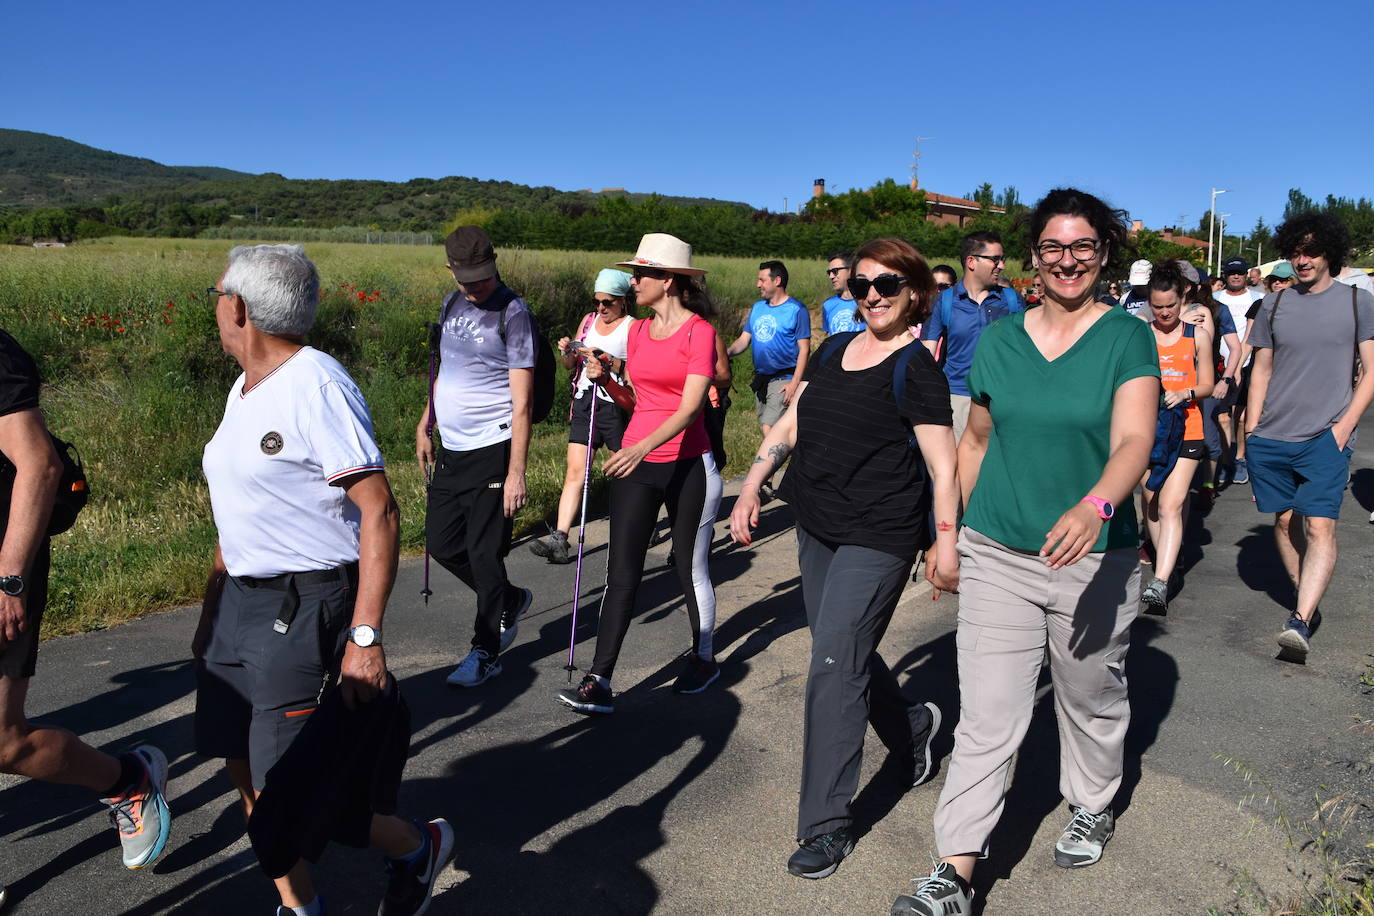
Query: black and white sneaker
pixel 1155 598
pixel 479 666
pixel 921 769
pixel 941 893
pixel 1081 843
pixel 553 547
pixel 410 884
pixel 699 674
pixel 519 603
pixel 591 696
pixel 819 856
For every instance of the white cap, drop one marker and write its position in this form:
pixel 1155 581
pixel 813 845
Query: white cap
pixel 1140 273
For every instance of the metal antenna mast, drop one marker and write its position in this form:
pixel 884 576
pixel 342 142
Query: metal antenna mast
pixel 916 161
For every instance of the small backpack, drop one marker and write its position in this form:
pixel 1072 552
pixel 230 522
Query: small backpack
pixel 73 492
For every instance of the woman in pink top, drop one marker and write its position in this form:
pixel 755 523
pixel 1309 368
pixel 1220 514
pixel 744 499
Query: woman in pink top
pixel 665 457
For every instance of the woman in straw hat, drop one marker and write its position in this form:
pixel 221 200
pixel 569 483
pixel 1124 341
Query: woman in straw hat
pixel 602 335
pixel 665 457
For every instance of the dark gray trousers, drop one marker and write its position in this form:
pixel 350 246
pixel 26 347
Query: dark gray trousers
pixel 850 593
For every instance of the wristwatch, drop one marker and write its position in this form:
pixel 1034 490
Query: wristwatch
pixel 12 585
pixel 1105 510
pixel 364 636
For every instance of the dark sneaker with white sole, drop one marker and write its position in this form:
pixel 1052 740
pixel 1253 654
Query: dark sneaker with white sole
pixel 410 884
pixel 554 547
pixel 921 769
pixel 940 893
pixel 520 601
pixel 479 666
pixel 1081 843
pixel 591 696
pixel 1295 640
pixel 819 856
pixel 699 674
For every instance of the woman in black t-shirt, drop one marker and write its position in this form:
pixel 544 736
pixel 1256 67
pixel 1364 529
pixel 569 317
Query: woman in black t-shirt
pixel 872 406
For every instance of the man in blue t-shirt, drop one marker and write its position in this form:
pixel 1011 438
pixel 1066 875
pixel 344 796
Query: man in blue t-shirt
pixel 971 305
pixel 778 334
pixel 839 313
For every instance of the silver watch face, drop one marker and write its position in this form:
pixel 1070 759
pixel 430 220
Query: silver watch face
pixel 363 636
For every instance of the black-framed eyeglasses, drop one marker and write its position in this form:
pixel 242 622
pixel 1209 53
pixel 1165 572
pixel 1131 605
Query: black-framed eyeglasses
pixel 887 285
pixel 943 286
pixel 214 294
pixel 1051 251
pixel 834 271
pixel 994 258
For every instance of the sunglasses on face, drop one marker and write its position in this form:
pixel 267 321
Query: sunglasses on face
pixel 994 258
pixel 887 285
pixel 652 272
pixel 834 271
pixel 943 285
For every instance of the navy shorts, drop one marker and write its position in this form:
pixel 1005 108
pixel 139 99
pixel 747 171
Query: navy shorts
pixel 1307 477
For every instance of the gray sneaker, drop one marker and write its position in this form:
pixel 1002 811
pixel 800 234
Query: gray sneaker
pixel 941 893
pixel 1155 599
pixel 553 547
pixel 140 813
pixel 922 770
pixel 1081 843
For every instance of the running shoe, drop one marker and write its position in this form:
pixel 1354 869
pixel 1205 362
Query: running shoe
pixel 1080 845
pixel 940 893
pixel 479 666
pixel 698 674
pixel 1155 599
pixel 140 813
pixel 510 620
pixel 1222 478
pixel 1241 473
pixel 553 547
pixel 284 910
pixel 819 856
pixel 921 769
pixel 591 696
pixel 410 883
pixel 1294 640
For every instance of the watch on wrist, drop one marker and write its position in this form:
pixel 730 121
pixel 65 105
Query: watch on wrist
pixel 364 636
pixel 12 585
pixel 1105 509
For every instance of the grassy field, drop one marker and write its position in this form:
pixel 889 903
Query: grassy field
pixel 136 378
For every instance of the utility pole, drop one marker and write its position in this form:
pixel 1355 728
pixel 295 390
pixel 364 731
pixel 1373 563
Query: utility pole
pixel 1221 238
pixel 1211 224
pixel 916 161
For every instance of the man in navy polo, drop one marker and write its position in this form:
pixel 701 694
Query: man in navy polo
pixel 962 313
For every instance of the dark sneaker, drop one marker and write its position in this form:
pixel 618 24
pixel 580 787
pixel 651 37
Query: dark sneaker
pixel 1223 477
pixel 409 884
pixel 283 910
pixel 553 547
pixel 940 893
pixel 921 770
pixel 698 674
pixel 767 494
pixel 1294 641
pixel 1081 842
pixel 819 856
pixel 589 697
pixel 1155 598
pixel 140 813
pixel 479 666
pixel 1242 472
pixel 510 620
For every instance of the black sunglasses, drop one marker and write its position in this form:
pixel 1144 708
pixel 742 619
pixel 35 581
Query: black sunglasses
pixel 887 285
pixel 651 272
pixel 832 271
pixel 943 285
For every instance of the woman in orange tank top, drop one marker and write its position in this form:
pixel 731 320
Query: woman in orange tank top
pixel 1185 378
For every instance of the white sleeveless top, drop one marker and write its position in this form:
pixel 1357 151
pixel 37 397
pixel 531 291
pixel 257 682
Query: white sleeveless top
pixel 615 343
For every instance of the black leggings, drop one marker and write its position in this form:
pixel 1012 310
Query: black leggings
pixel 691 487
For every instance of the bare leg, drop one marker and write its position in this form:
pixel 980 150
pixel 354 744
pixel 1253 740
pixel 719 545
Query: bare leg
pixel 1170 503
pixel 963 864
pixel 571 498
pixel 396 838
pixel 1288 539
pixel 45 753
pixel 1318 563
pixel 295 887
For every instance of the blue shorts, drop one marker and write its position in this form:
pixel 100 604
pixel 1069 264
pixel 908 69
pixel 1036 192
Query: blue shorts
pixel 1307 477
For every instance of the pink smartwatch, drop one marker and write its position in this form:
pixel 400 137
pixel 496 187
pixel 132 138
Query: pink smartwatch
pixel 1105 510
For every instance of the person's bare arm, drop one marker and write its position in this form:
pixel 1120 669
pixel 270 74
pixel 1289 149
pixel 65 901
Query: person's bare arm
pixel 1359 400
pixel 363 673
pixel 937 448
pixel 1261 368
pixel 723 373
pixel 522 405
pixel 973 445
pixel 25 442
pixel 803 357
pixel 740 345
pixel 209 604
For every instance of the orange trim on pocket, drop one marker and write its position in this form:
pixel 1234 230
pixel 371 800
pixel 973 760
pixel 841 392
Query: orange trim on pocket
pixel 294 713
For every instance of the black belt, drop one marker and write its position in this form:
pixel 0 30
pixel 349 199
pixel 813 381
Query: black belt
pixel 287 582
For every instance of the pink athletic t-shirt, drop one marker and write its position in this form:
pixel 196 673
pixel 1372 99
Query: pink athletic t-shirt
pixel 659 369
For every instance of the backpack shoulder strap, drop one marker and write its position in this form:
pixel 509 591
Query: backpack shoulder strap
pixel 586 323
pixel 833 344
pixel 1189 329
pixel 946 307
pixel 1272 312
pixel 904 357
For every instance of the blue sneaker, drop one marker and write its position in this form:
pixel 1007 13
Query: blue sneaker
pixel 140 813
pixel 1293 641
pixel 1242 472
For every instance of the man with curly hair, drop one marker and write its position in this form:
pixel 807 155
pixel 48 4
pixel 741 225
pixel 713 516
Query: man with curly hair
pixel 1303 408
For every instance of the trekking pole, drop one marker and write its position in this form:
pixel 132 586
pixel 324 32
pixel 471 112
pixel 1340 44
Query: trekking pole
pixel 433 330
pixel 571 666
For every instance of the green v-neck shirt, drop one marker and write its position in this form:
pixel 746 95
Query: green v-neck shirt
pixel 1051 426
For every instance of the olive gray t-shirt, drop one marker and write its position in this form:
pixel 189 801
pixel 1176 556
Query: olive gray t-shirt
pixel 1314 339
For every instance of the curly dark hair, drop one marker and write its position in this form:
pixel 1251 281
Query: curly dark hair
pixel 1110 225
pixel 1315 233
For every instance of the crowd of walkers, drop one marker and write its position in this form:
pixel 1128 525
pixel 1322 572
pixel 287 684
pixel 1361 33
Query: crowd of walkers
pixel 906 435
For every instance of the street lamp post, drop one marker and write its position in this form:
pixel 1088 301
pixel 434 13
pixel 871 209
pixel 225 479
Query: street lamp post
pixel 1211 224
pixel 1221 238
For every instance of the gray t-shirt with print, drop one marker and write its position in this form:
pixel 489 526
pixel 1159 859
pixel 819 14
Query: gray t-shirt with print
pixel 1314 337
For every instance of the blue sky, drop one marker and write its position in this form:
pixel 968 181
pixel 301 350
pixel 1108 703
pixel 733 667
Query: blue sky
pixel 1148 105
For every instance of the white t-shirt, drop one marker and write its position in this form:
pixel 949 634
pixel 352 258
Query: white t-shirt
pixel 1353 276
pixel 472 401
pixel 274 464
pixel 615 343
pixel 1237 304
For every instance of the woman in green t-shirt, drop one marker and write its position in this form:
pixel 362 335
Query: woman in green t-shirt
pixel 1064 398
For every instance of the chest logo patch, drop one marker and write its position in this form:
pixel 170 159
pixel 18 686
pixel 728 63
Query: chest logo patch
pixel 766 328
pixel 271 443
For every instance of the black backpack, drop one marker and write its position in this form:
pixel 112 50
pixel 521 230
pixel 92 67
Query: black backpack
pixel 73 492
pixel 545 365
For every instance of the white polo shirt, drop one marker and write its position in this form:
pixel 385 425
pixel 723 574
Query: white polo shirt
pixel 274 464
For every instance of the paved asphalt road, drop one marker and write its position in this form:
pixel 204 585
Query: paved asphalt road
pixel 687 804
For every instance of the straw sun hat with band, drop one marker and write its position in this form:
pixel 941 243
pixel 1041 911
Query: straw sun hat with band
pixel 660 251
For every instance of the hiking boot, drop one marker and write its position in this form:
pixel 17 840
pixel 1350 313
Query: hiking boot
pixel 510 620
pixel 921 770
pixel 1081 843
pixel 940 893
pixel 140 812
pixel 1155 598
pixel 698 674
pixel 479 666
pixel 1241 474
pixel 1294 640
pixel 410 883
pixel 553 547
pixel 591 696
pixel 819 856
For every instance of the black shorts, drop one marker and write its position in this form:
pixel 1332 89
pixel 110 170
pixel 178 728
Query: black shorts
pixel 610 422
pixel 19 658
pixel 256 686
pixel 1195 449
